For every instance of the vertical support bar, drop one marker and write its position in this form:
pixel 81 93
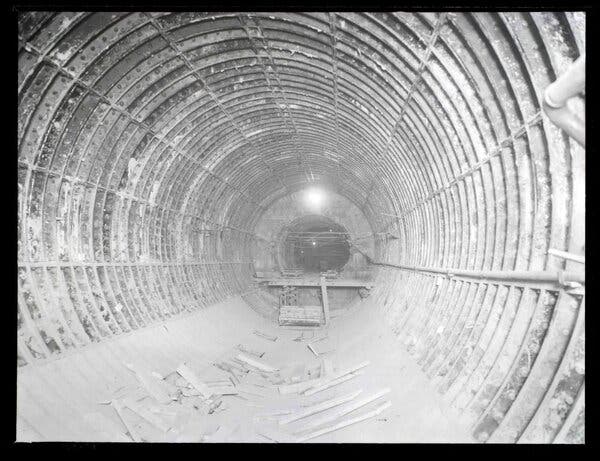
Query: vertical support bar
pixel 325 300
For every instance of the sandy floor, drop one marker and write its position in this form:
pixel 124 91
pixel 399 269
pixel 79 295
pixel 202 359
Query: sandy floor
pixel 61 400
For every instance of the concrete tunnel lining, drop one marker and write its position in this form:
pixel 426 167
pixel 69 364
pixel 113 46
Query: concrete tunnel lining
pixel 153 145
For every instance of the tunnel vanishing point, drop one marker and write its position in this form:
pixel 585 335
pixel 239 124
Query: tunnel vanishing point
pixel 175 169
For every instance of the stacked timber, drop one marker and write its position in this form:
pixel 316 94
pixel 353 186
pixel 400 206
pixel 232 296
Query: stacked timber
pixel 300 315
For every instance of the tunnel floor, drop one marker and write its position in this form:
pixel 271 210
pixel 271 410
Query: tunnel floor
pixel 82 384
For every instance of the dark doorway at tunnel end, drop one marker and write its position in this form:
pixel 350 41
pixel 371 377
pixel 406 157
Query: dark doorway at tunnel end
pixel 314 243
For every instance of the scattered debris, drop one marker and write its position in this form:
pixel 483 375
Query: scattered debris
pixel 347 422
pixel 344 410
pixel 191 378
pixel 332 383
pixel 254 390
pixel 336 379
pixel 266 336
pixel 320 407
pixel 214 406
pixel 150 383
pixel 257 364
pixel 229 390
pixel 130 429
pixel 181 407
pixel 218 383
pixel 157 375
pixel 146 414
pixel 242 369
pixel 312 350
pixel 298 387
pixel 320 339
pixel 250 351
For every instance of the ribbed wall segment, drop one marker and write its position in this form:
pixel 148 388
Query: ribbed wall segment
pixel 150 144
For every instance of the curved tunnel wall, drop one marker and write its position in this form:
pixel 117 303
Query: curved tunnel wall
pixel 151 143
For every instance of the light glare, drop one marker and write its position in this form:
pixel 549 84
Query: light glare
pixel 314 198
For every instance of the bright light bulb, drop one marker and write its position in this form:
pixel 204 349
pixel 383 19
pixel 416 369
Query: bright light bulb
pixel 314 198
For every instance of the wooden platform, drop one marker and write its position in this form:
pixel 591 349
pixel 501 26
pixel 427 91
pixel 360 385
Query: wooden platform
pixel 301 315
pixel 303 282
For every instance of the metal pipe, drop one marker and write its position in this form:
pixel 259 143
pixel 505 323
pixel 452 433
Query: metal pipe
pixel 569 84
pixel 558 277
pixel 566 255
pixel 563 278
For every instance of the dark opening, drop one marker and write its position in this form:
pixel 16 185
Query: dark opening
pixel 315 243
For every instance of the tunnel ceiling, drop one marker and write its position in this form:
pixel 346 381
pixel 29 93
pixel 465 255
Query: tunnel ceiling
pixel 177 113
pixel 150 144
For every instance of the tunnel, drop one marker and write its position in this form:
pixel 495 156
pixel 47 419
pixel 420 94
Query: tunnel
pixel 164 162
pixel 315 243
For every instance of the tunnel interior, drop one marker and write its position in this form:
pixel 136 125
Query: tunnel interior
pixel 163 155
pixel 316 243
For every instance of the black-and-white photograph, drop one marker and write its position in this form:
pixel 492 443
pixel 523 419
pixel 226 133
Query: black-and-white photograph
pixel 301 226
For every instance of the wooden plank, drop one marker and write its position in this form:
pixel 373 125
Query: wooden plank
pixel 257 364
pixel 257 381
pixel 132 432
pixel 224 390
pixel 301 315
pixel 266 336
pixel 152 386
pixel 191 378
pixel 347 422
pixel 255 390
pixel 146 414
pixel 237 366
pixel 320 383
pixel 298 387
pixel 226 367
pixel 302 327
pixel 317 283
pixel 219 383
pixel 335 382
pixel 250 351
pixel 312 350
pixel 320 407
pixel 344 410
pixel 320 339
pixel 325 300
pixel 323 351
